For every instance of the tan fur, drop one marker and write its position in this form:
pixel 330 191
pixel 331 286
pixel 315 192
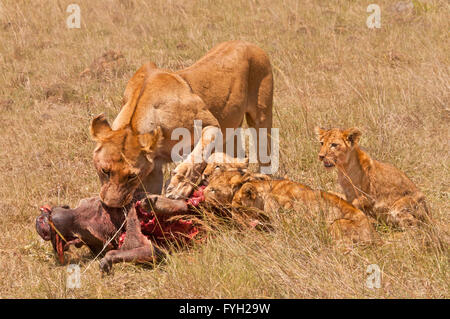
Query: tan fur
pixel 377 188
pixel 220 162
pixel 231 81
pixel 249 193
pixel 223 184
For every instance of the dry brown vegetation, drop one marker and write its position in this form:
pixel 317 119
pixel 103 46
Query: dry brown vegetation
pixel 329 68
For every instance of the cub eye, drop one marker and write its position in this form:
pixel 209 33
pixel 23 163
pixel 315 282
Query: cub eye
pixel 217 167
pixel 334 145
pixel 106 172
pixel 132 177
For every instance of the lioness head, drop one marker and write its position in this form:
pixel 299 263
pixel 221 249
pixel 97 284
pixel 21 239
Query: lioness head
pixel 336 145
pixel 122 159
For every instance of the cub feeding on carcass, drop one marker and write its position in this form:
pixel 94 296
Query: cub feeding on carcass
pixel 219 162
pixel 258 195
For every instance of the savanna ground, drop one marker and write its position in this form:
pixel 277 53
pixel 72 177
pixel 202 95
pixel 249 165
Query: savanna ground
pixel 329 68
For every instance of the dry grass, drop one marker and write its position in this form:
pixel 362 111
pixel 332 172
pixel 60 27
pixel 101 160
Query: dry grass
pixel 330 69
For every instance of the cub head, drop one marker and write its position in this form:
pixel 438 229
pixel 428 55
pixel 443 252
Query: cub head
pixel 122 158
pixel 220 162
pixel 336 145
pixel 221 187
pixel 248 196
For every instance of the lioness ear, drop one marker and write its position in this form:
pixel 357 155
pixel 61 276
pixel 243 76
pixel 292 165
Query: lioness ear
pixel 150 142
pixel 100 128
pixel 319 131
pixel 353 134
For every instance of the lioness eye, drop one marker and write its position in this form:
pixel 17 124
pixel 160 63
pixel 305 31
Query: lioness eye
pixel 217 167
pixel 321 143
pixel 131 177
pixel 106 172
pixel 334 145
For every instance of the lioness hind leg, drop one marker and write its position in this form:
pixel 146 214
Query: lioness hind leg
pixel 259 115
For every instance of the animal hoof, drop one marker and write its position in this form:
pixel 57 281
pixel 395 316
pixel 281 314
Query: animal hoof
pixel 174 194
pixel 180 192
pixel 105 265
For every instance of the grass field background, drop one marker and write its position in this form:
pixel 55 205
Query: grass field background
pixel 330 69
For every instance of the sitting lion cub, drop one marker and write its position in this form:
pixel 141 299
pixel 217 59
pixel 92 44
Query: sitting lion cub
pixel 378 189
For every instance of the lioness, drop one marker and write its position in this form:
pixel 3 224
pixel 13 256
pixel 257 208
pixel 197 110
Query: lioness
pixel 264 195
pixel 231 81
pixel 377 188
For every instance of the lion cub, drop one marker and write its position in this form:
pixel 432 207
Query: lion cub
pixel 219 162
pixel 377 188
pixel 259 196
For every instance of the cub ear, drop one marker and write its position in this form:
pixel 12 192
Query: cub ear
pixel 251 177
pixel 151 65
pixel 319 131
pixel 242 165
pixel 236 182
pixel 250 191
pixel 353 134
pixel 150 142
pixel 100 128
